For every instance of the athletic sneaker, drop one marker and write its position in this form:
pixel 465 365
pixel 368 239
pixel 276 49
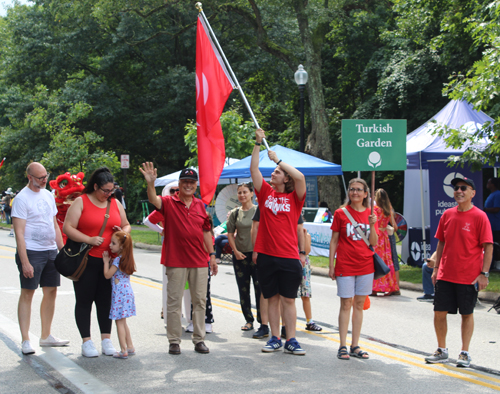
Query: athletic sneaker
pixel 272 345
pixel 463 360
pixel 208 328
pixel 26 348
pixel 189 327
pixel 89 350
pixel 312 326
pixel 107 347
pixel 293 347
pixel 53 341
pixel 439 356
pixel 262 332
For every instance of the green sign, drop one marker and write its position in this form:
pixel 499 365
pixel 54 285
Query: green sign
pixel 373 145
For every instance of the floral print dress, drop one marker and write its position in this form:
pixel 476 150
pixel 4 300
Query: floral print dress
pixel 388 283
pixel 122 297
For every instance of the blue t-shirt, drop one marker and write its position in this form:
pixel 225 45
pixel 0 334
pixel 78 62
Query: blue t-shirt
pixel 493 201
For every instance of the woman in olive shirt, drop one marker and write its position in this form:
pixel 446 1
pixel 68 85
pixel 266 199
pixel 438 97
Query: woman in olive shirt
pixel 240 222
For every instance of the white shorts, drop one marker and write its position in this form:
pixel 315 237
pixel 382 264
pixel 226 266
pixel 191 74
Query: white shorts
pixel 349 286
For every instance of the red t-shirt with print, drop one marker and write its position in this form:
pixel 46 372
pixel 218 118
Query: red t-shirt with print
pixel 279 213
pixel 353 255
pixel 463 234
pixel 183 243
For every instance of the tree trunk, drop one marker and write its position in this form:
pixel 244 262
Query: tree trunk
pixel 319 143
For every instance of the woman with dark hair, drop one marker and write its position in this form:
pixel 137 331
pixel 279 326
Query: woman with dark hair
pixel 278 263
pixel 353 266
pixel 388 284
pixel 83 223
pixel 240 222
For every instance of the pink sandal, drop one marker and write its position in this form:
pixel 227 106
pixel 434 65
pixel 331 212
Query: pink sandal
pixel 120 355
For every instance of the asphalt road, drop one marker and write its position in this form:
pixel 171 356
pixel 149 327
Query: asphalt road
pixel 397 332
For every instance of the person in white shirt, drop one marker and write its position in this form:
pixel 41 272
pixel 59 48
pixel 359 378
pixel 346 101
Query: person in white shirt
pixel 38 239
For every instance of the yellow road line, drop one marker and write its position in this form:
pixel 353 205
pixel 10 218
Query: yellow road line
pixel 442 369
pixel 7 248
pixel 8 257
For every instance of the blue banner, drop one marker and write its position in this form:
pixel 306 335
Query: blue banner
pixel 441 192
pixel 311 192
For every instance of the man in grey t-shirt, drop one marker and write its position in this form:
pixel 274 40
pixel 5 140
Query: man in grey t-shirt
pixel 38 238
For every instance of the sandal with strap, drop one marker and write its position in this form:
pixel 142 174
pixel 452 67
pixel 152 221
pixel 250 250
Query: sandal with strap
pixel 313 327
pixel 360 354
pixel 247 327
pixel 342 353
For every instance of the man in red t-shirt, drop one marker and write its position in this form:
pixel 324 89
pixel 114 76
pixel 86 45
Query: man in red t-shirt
pixel 463 258
pixel 278 265
pixel 187 235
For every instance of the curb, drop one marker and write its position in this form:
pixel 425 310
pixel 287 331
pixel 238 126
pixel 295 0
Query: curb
pixel 488 296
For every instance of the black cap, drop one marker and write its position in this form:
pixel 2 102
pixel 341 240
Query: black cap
pixel 470 182
pixel 188 173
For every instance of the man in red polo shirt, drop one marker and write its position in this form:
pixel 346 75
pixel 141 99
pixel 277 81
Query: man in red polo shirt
pixel 184 253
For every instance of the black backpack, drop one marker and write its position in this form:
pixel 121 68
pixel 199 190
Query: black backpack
pixel 496 306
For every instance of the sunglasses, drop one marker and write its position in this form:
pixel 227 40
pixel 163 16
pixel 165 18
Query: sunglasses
pixel 462 187
pixel 353 189
pixel 172 191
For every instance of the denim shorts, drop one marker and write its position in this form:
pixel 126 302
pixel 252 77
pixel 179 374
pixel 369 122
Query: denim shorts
pixel 349 286
pixel 44 270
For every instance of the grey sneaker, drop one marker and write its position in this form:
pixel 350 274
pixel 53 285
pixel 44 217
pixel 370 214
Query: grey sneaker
pixel 463 360
pixel 439 356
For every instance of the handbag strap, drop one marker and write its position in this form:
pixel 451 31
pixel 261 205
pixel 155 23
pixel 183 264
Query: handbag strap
pixel 356 226
pixel 106 217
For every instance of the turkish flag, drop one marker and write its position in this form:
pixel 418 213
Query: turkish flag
pixel 213 87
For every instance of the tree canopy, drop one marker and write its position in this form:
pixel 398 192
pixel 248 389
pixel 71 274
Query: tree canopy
pixel 84 81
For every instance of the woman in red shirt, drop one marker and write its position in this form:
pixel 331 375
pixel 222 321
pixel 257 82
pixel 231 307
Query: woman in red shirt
pixel 83 223
pixel 353 267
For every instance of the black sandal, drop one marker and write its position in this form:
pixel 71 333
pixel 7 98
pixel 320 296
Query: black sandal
pixel 360 354
pixel 247 327
pixel 342 353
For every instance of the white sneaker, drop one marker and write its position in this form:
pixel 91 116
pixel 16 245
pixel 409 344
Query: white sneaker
pixel 26 348
pixel 189 327
pixel 208 328
pixel 53 341
pixel 107 347
pixel 89 350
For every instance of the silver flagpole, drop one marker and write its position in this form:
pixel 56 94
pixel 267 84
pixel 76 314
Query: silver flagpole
pixel 199 6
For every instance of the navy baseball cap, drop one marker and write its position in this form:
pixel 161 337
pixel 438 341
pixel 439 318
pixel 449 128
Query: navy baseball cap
pixel 470 182
pixel 188 173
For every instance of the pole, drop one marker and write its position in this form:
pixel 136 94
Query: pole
pixel 302 143
pixel 372 202
pixel 424 241
pixel 199 7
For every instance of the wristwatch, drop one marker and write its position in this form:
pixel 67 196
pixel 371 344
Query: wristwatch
pixel 302 252
pixel 211 254
pixel 486 274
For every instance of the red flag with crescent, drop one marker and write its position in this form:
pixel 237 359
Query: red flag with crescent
pixel 213 87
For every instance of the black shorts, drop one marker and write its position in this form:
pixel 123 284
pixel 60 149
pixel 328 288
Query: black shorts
pixel 44 270
pixel 278 276
pixel 451 296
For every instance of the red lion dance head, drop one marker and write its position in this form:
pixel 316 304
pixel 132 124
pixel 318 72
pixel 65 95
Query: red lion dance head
pixel 67 187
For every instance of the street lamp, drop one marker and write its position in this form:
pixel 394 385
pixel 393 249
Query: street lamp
pixel 301 80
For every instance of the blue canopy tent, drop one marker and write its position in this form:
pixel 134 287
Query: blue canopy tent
pixel 307 164
pixel 425 149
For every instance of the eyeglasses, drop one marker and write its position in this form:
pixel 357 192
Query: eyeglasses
pixel 106 191
pixel 353 189
pixel 461 187
pixel 41 178
pixel 173 191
